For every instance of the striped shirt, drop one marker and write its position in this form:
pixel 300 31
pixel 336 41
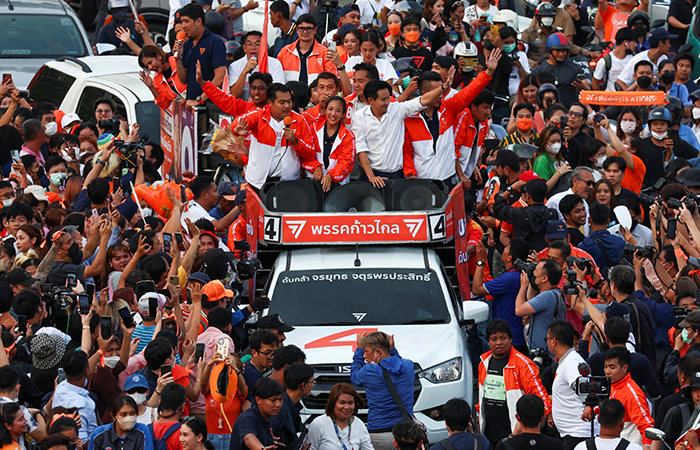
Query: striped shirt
pixel 516 138
pixel 145 334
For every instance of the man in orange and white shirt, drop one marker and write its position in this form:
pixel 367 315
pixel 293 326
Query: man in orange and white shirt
pixel 429 142
pixel 623 388
pixel 328 86
pixel 276 150
pixel 304 59
pixel 505 375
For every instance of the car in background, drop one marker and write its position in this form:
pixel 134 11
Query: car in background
pixel 73 84
pixel 37 31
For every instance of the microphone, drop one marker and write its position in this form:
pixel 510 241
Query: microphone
pixel 181 37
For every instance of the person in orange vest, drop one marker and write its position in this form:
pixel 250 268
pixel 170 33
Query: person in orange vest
pixel 505 375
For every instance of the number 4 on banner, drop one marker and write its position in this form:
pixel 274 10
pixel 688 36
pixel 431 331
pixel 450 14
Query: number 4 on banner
pixel 334 339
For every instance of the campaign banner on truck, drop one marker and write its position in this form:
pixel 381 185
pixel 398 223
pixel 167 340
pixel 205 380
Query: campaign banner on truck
pixel 178 137
pixel 634 98
pixel 460 233
pixel 254 216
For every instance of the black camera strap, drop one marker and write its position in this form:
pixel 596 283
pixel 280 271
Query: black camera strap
pixel 622 445
pixel 608 261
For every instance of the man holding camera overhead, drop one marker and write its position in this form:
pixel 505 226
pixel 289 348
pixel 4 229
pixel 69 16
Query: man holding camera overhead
pixel 540 298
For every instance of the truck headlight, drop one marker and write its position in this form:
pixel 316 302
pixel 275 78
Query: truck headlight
pixel 450 370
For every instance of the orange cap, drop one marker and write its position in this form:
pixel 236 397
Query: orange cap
pixel 215 290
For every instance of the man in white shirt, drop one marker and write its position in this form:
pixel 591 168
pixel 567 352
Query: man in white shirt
pixel 612 420
pixel 610 66
pixel 567 407
pixel 239 71
pixel 660 44
pixel 581 184
pixel 205 199
pixel 370 11
pixel 379 130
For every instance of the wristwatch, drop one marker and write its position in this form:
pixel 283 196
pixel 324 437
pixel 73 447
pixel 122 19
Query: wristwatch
pixel 480 263
pixel 509 189
pixel 341 67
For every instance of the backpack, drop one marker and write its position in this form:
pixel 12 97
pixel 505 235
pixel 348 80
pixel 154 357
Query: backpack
pixel 447 445
pixel 590 444
pixel 160 444
pixel 608 65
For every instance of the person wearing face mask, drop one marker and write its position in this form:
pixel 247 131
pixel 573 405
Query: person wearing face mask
pixel 523 114
pixel 667 78
pixel 659 46
pixel 376 358
pixel 69 257
pixel 411 48
pixel 57 172
pixel 120 19
pixel 549 161
pixel 659 148
pixel 113 356
pixel 136 387
pixel 695 114
pixel 508 39
pixel 124 433
pixel 565 73
pixel 608 68
pixel 9 392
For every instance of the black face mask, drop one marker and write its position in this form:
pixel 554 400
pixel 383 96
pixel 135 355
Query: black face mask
pixel 668 77
pixel 40 173
pixel 75 254
pixel 644 82
pixel 640 31
pixel 629 52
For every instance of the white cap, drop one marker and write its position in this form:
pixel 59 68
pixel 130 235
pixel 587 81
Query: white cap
pixel 118 4
pixel 70 118
pixel 38 192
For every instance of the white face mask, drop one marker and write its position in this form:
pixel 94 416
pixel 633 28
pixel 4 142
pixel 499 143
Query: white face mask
pixel 50 128
pixel 8 202
pixel 628 126
pixel 659 136
pixel 111 361
pixel 127 423
pixel 554 148
pixel 599 161
pixel 547 21
pixel 696 113
pixel 139 398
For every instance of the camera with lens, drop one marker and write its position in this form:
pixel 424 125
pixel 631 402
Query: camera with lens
pixel 128 151
pixel 521 266
pixel 110 125
pixel 540 356
pixel 59 298
pixel 646 251
pixel 691 203
pixel 674 203
pixel 582 263
pixel 249 264
pixel 570 288
pixel 593 385
pixel 646 199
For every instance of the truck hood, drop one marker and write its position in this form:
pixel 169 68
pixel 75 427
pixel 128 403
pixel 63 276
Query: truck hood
pixel 22 69
pixel 426 345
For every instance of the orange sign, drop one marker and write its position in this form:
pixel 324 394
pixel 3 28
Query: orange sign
pixel 622 98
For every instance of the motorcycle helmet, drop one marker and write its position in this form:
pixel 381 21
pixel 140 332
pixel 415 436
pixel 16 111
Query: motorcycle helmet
pixel 675 106
pixel 214 22
pixel 508 17
pixel 545 14
pixel 466 50
pixel 547 87
pixel 557 41
pixel 638 18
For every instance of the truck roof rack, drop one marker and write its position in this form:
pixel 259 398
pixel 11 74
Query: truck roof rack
pixel 75 60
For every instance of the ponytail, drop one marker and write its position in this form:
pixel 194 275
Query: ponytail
pixel 208 445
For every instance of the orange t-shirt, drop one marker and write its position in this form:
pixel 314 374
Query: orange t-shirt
pixel 173 441
pixel 613 20
pixel 218 423
pixel 634 179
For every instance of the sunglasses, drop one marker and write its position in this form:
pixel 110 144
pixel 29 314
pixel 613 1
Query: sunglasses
pixel 575 114
pixel 589 183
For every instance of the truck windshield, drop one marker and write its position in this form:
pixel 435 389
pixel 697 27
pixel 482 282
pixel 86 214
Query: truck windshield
pixel 40 36
pixel 353 297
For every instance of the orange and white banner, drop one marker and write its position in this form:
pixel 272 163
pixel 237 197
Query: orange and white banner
pixel 622 98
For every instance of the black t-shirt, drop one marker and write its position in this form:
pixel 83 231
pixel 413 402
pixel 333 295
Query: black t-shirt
pixel 564 74
pixel 575 236
pixel 422 58
pixel 626 194
pixel 495 407
pixel 530 441
pixel 60 270
pixel 654 158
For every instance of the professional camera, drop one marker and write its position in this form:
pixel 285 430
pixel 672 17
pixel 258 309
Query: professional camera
pixel 249 264
pixel 646 199
pixel 593 385
pixel 674 203
pixel 57 298
pixel 329 4
pixel 540 356
pixel 582 263
pixel 691 202
pixel 110 125
pixel 521 266
pixel 648 251
pixel 127 150
pixel 571 283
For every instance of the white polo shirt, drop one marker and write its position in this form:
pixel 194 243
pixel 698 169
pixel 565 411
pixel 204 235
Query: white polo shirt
pixel 274 68
pixel 567 407
pixel 383 140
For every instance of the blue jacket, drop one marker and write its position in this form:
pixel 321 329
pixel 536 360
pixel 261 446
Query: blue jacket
pixel 105 437
pixel 614 246
pixel 662 314
pixel 383 411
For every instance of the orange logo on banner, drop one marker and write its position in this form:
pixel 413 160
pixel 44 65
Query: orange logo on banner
pixel 332 340
pixel 355 228
pixel 622 98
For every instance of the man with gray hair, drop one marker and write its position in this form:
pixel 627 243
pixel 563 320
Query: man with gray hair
pixel 34 138
pixel 582 182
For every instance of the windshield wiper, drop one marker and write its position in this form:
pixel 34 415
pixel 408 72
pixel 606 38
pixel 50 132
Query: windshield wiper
pixel 423 321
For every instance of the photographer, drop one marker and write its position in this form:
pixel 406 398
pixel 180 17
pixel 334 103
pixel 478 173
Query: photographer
pixel 540 298
pixel 689 335
pixel 617 333
pixel 503 289
pixel 567 407
pixel 504 373
pixel 623 388
pixel 605 248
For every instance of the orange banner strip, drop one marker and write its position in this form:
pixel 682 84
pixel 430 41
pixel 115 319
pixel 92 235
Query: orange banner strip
pixel 622 98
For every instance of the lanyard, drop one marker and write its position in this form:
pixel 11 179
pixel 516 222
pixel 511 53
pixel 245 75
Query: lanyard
pixel 337 433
